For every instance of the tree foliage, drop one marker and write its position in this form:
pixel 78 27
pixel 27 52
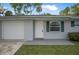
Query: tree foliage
pixel 73 10
pixel 38 7
pixel 17 7
pixel 48 14
pixel 26 8
pixel 2 10
pixel 8 13
pixel 65 11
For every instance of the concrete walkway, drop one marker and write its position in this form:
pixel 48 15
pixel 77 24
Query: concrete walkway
pixel 49 42
pixel 9 47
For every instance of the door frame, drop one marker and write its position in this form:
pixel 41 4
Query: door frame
pixel 35 30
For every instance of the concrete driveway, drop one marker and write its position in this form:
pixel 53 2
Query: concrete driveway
pixel 9 47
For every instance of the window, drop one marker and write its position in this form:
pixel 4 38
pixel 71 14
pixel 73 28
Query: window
pixel 54 26
pixel 76 23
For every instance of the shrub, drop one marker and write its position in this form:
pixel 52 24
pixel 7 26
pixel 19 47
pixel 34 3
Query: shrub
pixel 8 13
pixel 73 36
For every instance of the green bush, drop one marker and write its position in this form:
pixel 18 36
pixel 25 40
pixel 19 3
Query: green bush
pixel 73 36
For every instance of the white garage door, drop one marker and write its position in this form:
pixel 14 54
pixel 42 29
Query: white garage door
pixel 13 29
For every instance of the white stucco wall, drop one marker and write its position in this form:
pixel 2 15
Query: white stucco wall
pixel 39 29
pixel 28 30
pixel 53 34
pixel 12 29
pixel 60 35
pixel 24 30
pixel 70 29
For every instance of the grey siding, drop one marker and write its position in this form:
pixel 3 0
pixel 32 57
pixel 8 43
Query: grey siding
pixel 28 30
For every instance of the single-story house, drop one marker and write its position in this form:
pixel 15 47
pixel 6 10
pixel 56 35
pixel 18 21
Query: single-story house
pixel 37 27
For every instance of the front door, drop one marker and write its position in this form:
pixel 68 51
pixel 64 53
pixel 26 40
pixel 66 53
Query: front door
pixel 39 29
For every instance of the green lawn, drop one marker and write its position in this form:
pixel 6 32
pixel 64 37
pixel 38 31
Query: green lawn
pixel 49 49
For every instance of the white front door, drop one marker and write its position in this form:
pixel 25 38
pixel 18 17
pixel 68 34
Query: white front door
pixel 39 29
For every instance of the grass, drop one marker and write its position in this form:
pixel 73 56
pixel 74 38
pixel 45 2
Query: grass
pixel 49 49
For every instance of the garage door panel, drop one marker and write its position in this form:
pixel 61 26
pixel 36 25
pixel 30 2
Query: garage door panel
pixel 13 29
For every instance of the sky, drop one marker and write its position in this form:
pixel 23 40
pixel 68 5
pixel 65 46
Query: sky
pixel 52 8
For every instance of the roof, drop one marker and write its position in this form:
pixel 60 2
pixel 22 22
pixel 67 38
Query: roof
pixel 38 17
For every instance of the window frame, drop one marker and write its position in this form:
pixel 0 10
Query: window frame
pixel 75 24
pixel 55 26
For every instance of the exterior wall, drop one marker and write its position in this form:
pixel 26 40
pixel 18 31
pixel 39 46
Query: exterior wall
pixel 12 29
pixel 53 34
pixel 28 30
pixel 0 29
pixel 24 29
pixel 68 27
pixel 39 29
pixel 60 35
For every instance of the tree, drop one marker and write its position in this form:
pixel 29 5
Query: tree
pixel 47 14
pixel 17 7
pixel 28 8
pixel 14 6
pixel 8 13
pixel 2 10
pixel 61 12
pixel 37 4
pixel 38 7
pixel 75 9
pixel 65 11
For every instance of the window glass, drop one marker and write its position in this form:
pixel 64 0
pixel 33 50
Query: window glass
pixel 54 26
pixel 76 23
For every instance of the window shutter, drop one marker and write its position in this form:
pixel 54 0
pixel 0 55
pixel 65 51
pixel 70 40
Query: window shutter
pixel 72 23
pixel 62 26
pixel 47 26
